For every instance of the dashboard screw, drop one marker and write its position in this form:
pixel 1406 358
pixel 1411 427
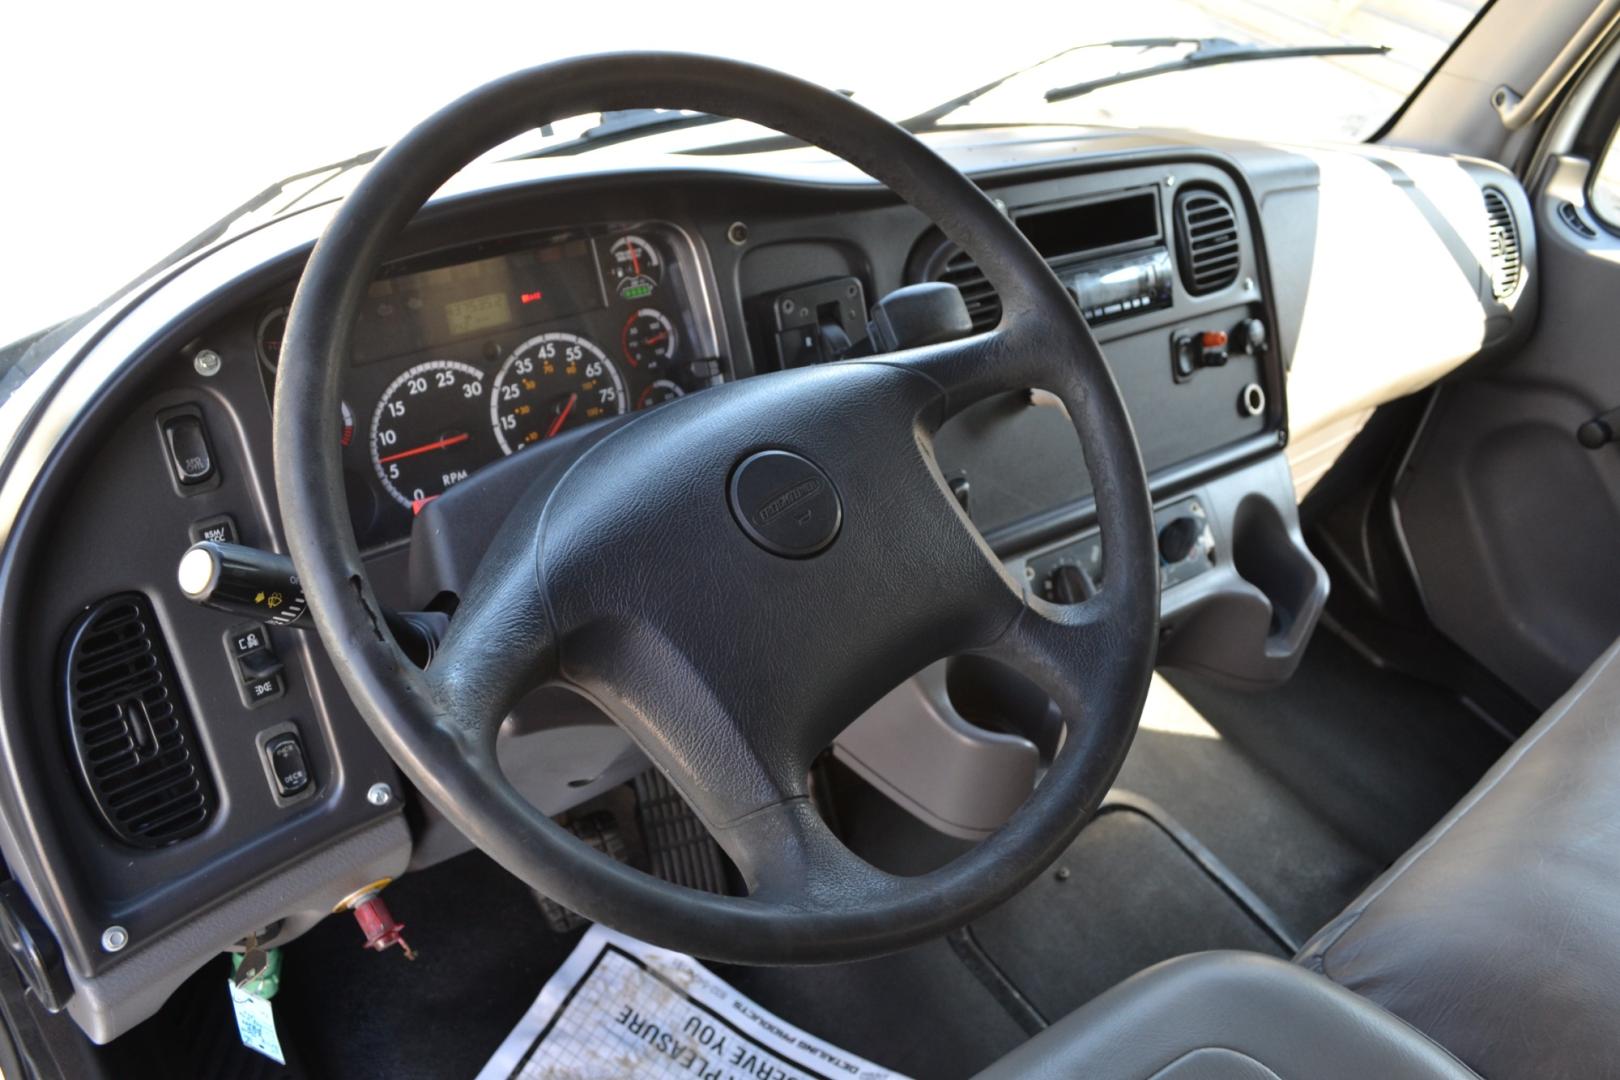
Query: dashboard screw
pixel 380 795
pixel 207 362
pixel 737 233
pixel 1062 873
pixel 114 938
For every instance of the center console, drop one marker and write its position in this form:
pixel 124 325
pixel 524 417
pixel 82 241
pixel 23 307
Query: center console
pixel 1167 266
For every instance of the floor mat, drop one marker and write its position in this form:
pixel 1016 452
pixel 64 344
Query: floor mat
pixel 1302 866
pixel 1377 755
pixel 1122 898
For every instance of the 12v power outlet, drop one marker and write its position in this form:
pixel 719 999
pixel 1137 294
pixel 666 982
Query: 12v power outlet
pixel 785 504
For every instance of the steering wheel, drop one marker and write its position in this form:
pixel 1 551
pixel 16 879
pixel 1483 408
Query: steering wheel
pixel 796 553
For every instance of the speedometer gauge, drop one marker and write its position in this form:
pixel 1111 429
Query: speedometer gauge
pixel 637 267
pixel 549 384
pixel 428 431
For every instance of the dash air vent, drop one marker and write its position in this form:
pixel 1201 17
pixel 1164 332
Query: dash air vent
pixel 1506 264
pixel 1206 240
pixel 984 306
pixel 127 721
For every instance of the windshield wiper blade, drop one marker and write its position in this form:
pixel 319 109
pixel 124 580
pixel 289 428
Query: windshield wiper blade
pixel 931 116
pixel 624 125
pixel 1210 52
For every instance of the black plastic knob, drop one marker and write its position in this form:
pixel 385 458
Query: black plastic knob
pixel 1178 538
pixel 1251 335
pixel 1071 585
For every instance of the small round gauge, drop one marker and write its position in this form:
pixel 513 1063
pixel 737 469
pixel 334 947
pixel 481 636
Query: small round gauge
pixel 549 384
pixel 657 393
pixel 428 431
pixel 271 329
pixel 637 267
pixel 649 339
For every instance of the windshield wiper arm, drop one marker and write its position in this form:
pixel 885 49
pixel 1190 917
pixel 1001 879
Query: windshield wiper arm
pixel 624 125
pixel 1210 52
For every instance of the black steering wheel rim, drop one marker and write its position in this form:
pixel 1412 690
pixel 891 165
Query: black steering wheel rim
pixel 812 901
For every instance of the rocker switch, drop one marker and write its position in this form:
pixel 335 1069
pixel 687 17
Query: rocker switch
pixel 189 452
pixel 285 754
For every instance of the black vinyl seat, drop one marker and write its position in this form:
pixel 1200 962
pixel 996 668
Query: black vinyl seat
pixel 1493 945
pixel 1498 933
pixel 1228 1016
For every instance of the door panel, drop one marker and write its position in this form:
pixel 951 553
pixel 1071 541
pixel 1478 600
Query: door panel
pixel 1512 526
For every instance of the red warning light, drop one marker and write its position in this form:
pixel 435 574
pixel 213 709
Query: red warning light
pixel 529 297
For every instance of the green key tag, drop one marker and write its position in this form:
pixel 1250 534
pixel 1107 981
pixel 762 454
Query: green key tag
pixel 256 1023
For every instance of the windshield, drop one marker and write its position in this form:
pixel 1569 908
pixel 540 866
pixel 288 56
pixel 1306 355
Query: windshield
pixel 132 129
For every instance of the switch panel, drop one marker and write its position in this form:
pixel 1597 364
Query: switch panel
pixel 260 677
pixel 1071 573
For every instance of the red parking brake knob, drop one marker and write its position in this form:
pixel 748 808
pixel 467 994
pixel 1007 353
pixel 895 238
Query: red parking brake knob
pixel 382 930
pixel 1214 339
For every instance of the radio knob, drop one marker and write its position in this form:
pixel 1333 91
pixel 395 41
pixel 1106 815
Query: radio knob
pixel 1178 538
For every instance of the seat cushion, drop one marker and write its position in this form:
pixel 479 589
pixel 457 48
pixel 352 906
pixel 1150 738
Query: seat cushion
pixel 1498 934
pixel 1227 1016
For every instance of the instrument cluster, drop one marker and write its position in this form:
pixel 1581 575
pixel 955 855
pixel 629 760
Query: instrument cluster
pixel 461 358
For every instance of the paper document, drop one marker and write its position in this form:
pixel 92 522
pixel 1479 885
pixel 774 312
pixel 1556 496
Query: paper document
pixel 619 1007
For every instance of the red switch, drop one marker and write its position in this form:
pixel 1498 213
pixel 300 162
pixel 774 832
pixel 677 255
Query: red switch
pixel 1214 339
pixel 382 930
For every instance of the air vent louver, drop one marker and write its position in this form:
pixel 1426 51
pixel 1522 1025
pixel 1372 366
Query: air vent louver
pixel 1206 240
pixel 1506 265
pixel 129 727
pixel 984 306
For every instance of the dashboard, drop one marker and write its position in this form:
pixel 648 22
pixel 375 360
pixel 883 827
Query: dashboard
pixel 463 356
pixel 1235 290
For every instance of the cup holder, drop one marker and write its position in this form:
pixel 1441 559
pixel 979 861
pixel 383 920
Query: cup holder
pixel 1266 555
pixel 1250 625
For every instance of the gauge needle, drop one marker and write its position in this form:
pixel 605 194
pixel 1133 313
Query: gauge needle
pixel 562 417
pixel 656 338
pixel 449 440
pixel 635 260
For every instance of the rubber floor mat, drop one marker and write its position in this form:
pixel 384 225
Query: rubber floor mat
pixel 1122 898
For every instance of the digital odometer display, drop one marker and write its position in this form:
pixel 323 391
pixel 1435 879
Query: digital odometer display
pixel 534 284
pixel 479 313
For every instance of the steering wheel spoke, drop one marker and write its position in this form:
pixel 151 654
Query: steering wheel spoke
pixel 788 855
pixel 968 370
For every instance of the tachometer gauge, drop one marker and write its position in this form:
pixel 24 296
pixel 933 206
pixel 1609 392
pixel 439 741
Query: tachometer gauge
pixel 549 384
pixel 268 334
pixel 657 393
pixel 428 431
pixel 637 267
pixel 648 339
